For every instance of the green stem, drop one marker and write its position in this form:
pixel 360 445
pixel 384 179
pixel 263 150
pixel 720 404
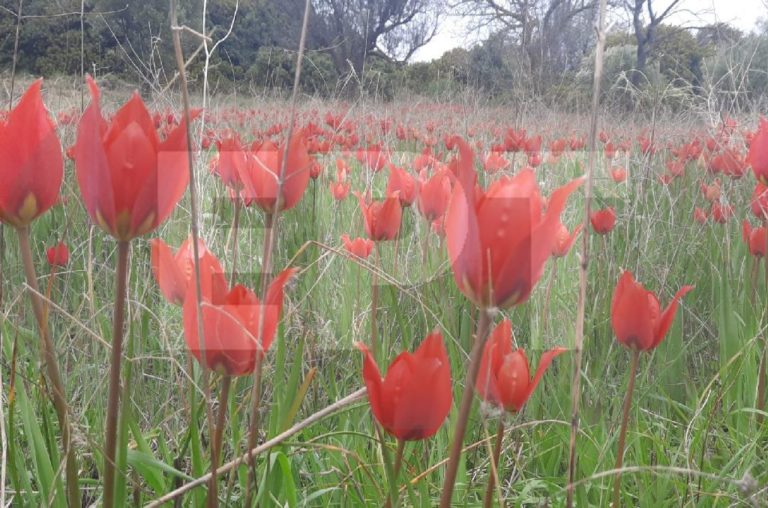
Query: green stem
pixel 394 492
pixel 51 367
pixel 623 431
pixel 467 398
pixel 113 402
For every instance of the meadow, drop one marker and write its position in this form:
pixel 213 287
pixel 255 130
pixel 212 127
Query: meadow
pixel 681 189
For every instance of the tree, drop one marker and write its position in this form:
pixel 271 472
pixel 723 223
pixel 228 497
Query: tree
pixel 646 20
pixel 392 30
pixel 553 34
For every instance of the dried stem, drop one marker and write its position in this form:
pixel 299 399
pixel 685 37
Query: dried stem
pixel 581 307
pixel 51 367
pixel 218 433
pixel 467 398
pixel 623 431
pixel 267 445
pixel 494 465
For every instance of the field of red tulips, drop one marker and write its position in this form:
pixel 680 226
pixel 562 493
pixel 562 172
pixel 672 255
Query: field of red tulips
pixel 365 304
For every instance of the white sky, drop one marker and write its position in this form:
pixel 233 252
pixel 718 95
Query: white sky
pixel 743 14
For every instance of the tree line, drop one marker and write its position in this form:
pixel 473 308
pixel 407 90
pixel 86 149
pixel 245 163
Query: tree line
pixel 538 49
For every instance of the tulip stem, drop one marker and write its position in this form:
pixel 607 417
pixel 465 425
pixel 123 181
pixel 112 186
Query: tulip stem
pixel 761 381
pixel 494 465
pixel 375 301
pixel 218 433
pixel 394 491
pixel 623 431
pixel 113 401
pixel 235 227
pixel 467 398
pixel 578 340
pixel 50 363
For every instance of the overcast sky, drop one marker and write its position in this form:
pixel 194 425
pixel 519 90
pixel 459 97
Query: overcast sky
pixel 740 13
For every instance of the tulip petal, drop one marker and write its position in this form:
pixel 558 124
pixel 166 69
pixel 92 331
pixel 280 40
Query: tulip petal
pixel 544 362
pixel 463 241
pixel 668 316
pixel 631 315
pixel 170 279
pixel 373 383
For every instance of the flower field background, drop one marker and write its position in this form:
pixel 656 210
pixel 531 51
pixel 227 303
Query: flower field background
pixel 353 260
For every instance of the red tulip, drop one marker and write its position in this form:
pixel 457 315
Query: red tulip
pixel 758 153
pixel 382 218
pixel 414 398
pixel 360 247
pixel 231 325
pixel 260 179
pixel 759 203
pixel 231 162
pixel 636 315
pixel 173 272
pixel 495 162
pixel 434 194
pixel 754 238
pixel 404 184
pixel 603 220
pixel 721 213
pixel 504 378
pixel 498 243
pixel 31 163
pixel 58 255
pixel 700 215
pixel 130 180
pixel 618 174
pixel 565 240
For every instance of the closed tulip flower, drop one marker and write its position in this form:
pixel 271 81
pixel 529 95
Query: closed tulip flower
pixel 755 238
pixel 412 401
pixel 636 316
pixel 130 180
pixel 434 195
pixel 603 220
pixel 382 218
pixel 403 184
pixel 758 153
pixel 505 379
pixel 261 177
pixel 31 163
pixel 58 255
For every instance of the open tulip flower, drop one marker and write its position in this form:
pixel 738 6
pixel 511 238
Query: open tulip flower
pixel 31 162
pixel 412 401
pixel 173 272
pixel 360 247
pixel 261 176
pixel 565 240
pixel 498 243
pixel 636 315
pixel 130 180
pixel 504 379
pixel 234 337
pixel 403 184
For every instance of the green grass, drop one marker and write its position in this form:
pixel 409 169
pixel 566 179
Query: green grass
pixel 693 430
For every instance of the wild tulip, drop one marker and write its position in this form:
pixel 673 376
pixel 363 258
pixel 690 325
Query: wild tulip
pixel 231 161
pixel 232 330
pixel 360 247
pixel 498 243
pixel 262 175
pixel 636 315
pixel 755 238
pixel 412 401
pixel 382 218
pixel 494 162
pixel 130 181
pixel 434 195
pixel 565 240
pixel 700 215
pixel 618 174
pixel 174 272
pixel 721 213
pixel 504 379
pixel 31 162
pixel 759 202
pixel 603 220
pixel 403 184
pixel 58 255
pixel 758 152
